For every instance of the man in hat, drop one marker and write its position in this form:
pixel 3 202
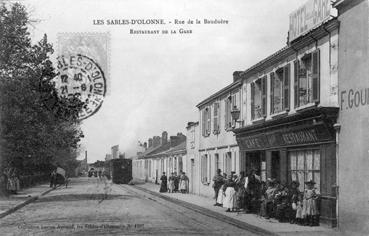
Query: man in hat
pixel 218 182
pixel 310 204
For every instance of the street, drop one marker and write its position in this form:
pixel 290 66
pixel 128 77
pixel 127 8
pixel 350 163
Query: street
pixel 84 209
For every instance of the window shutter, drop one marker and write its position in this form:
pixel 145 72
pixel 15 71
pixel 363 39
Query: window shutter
pixel 252 85
pixel 203 119
pixel 263 96
pixel 316 75
pixel 209 121
pixel 234 104
pixel 296 82
pixel 226 101
pixel 286 87
pixel 215 128
pixel 272 92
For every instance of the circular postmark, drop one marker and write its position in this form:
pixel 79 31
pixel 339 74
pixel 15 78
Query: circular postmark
pixel 81 77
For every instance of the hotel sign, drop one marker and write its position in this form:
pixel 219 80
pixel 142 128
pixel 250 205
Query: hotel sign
pixel 308 16
pixel 286 137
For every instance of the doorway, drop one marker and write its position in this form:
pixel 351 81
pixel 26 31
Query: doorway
pixel 276 165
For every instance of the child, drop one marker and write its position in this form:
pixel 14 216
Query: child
pixel 298 208
pixel 310 204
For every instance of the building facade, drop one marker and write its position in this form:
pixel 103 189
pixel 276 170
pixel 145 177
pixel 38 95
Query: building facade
pixel 192 157
pixel 218 148
pixel 353 155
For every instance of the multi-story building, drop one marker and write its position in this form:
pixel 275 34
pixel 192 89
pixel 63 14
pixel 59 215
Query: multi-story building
pixel 287 108
pixel 353 154
pixel 218 148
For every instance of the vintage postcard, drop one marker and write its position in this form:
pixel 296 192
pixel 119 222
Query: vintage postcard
pixel 187 117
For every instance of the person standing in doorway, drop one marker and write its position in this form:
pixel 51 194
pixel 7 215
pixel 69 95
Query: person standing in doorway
pixel 218 182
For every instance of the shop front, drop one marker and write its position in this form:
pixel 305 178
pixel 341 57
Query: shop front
pixel 298 147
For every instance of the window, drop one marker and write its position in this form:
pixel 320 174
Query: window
pixel 216 109
pixel 305 166
pixel 204 169
pixel 206 121
pixel 228 116
pixel 307 79
pixel 228 163
pixel 258 98
pixel 180 164
pixel 232 102
pixel 280 89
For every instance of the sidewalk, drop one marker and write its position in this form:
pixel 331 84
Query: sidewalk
pixel 24 197
pixel 270 225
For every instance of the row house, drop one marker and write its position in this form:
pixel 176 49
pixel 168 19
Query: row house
pixel 161 155
pixel 217 146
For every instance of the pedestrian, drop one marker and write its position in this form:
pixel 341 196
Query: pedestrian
pixel 252 192
pixel 293 194
pixel 163 185
pixel 241 191
pixel 183 184
pixel 269 198
pixel 218 181
pixel 310 204
pixel 221 194
pixel 99 174
pixel 171 183
pixel 298 207
pixel 176 182
pixel 230 192
pixel 53 179
pixel 13 185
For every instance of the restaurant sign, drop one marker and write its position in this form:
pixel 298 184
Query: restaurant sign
pixel 308 16
pixel 286 137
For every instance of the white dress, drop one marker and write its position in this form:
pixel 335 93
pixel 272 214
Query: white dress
pixel 220 196
pixel 228 201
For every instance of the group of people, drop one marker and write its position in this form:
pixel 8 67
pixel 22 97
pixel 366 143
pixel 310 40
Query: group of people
pixel 174 183
pixel 269 199
pixel 11 180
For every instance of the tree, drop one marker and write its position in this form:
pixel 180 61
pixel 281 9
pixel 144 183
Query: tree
pixel 38 130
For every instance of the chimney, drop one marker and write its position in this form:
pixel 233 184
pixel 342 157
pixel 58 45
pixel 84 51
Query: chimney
pixel 145 145
pixel 174 141
pixel 164 137
pixel 237 75
pixel 156 141
pixel 150 142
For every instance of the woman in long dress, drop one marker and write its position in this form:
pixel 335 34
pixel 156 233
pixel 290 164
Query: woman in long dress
pixel 164 182
pixel 230 193
pixel 183 184
pixel 171 183
pixel 310 204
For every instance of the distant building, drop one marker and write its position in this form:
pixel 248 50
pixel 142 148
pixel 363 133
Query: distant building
pixel 115 152
pixel 108 157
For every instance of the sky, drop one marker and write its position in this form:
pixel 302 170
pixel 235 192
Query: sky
pixel 156 81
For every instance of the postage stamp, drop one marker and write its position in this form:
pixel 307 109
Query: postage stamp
pixel 83 69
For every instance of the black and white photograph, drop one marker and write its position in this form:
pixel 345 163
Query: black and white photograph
pixel 186 117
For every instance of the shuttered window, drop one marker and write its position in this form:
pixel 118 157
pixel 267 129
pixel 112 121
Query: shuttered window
pixel 216 118
pixel 206 121
pixel 273 92
pixel 296 82
pixel 264 96
pixel 316 75
pixel 252 101
pixel 286 87
pixel 204 169
pixel 208 125
pixel 308 79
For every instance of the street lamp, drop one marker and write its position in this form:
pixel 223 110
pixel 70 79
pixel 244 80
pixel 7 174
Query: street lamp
pixel 235 113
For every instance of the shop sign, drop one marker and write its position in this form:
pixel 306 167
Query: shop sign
pixel 278 138
pixel 308 16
